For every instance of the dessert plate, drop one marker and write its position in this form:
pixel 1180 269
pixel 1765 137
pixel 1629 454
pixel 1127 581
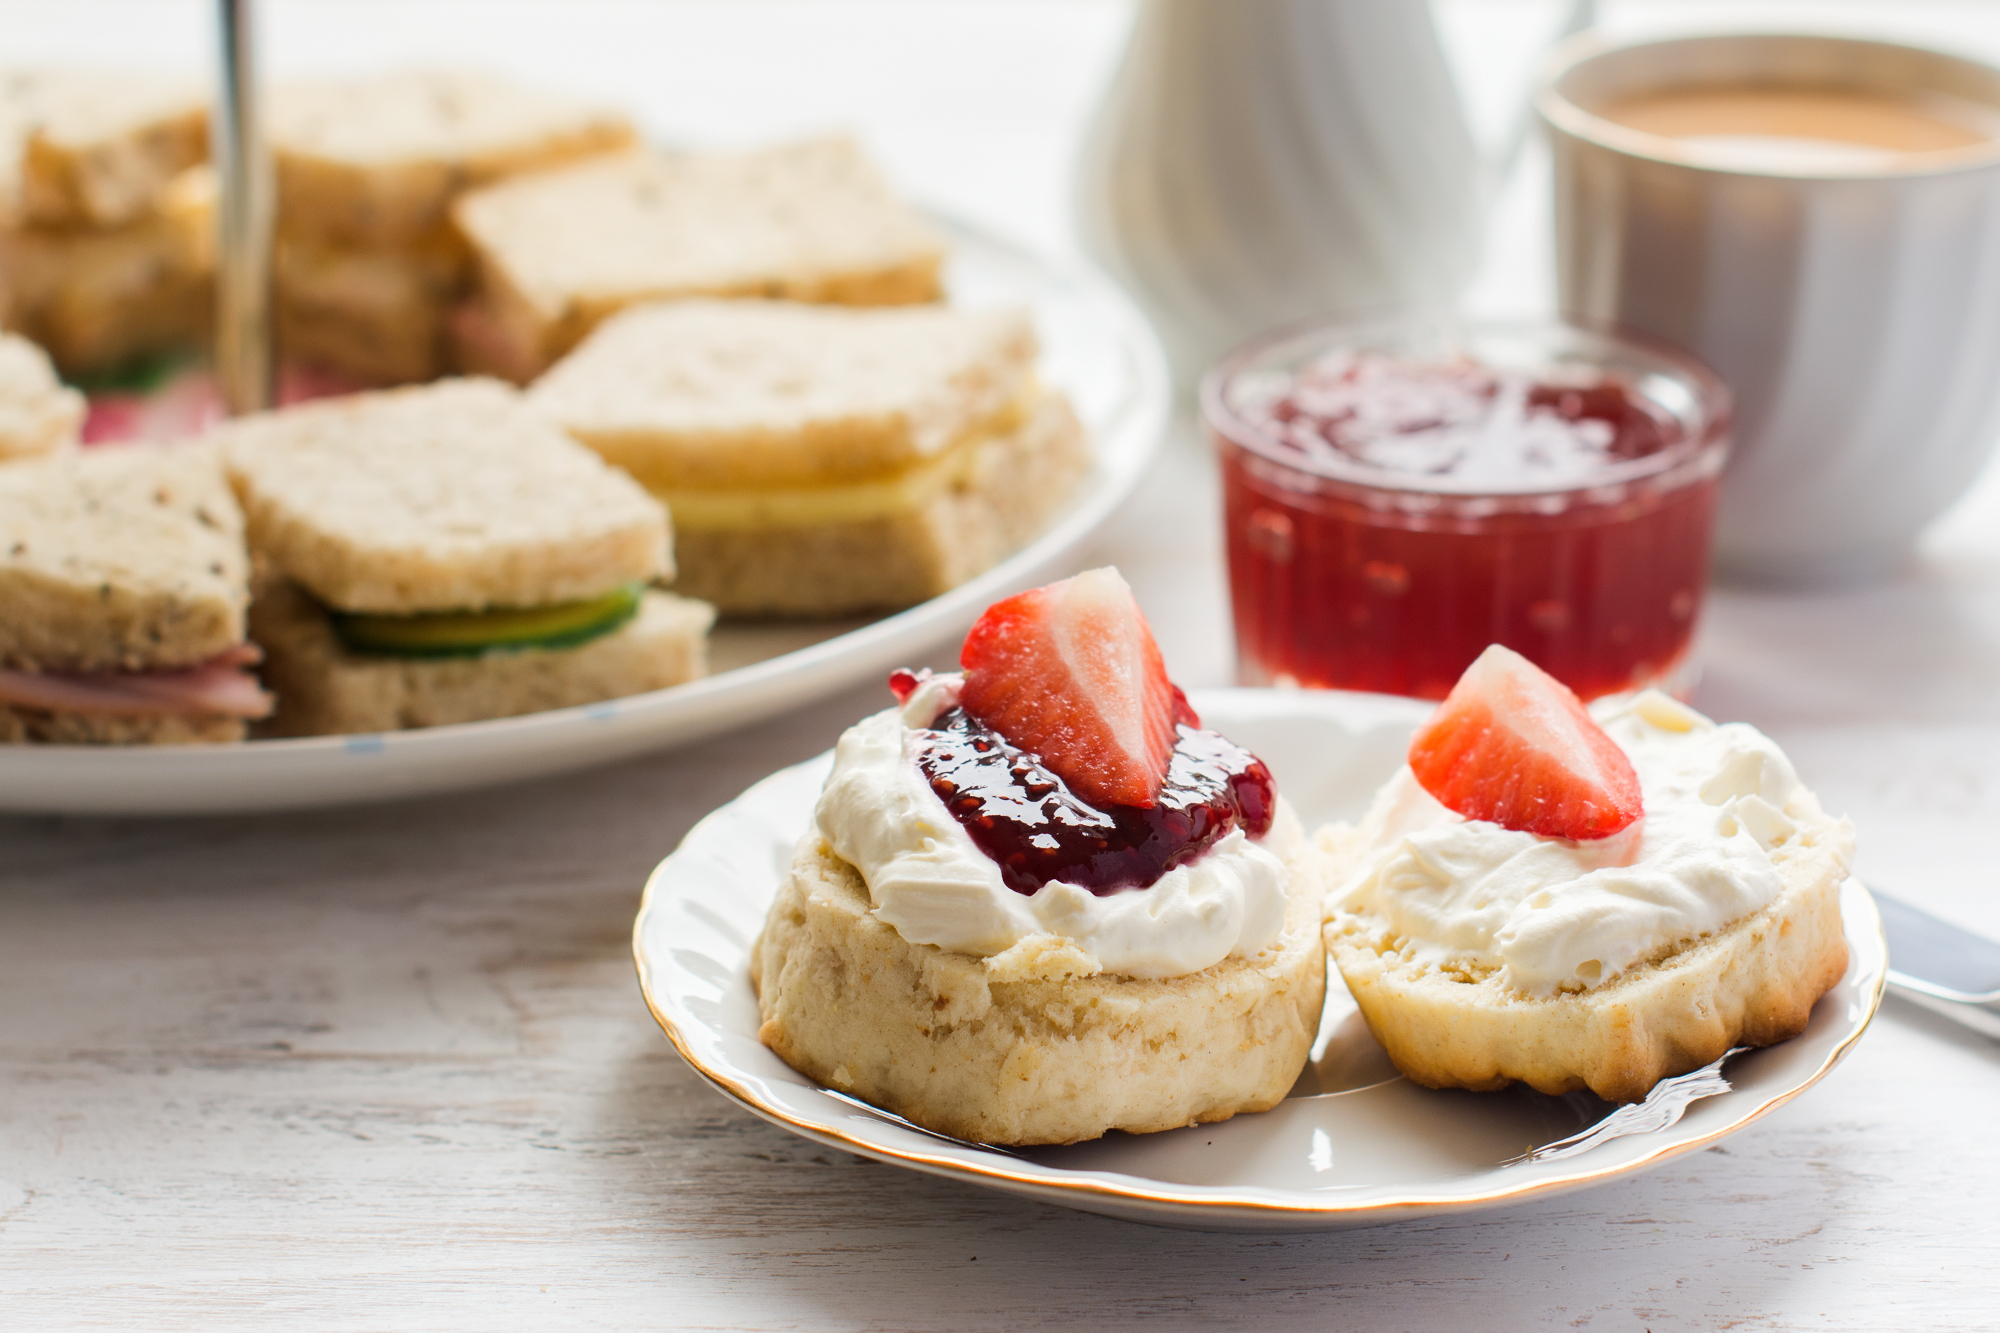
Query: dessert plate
pixel 1354 1144
pixel 1095 347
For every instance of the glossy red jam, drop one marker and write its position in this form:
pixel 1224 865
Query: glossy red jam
pixel 1036 831
pixel 1389 518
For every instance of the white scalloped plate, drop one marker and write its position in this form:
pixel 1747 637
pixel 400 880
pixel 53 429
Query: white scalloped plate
pixel 1354 1145
pixel 1095 346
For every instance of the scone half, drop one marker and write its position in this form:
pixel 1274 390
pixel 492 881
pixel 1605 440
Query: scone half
pixel 1753 983
pixel 1018 1048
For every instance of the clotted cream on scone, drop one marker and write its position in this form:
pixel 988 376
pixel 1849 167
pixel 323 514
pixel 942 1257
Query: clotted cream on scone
pixel 1039 901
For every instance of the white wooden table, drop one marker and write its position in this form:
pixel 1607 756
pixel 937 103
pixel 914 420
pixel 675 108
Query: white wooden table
pixel 388 1068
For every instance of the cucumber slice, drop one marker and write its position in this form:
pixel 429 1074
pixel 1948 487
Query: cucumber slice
pixel 504 629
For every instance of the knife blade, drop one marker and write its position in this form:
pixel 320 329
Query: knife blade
pixel 1944 968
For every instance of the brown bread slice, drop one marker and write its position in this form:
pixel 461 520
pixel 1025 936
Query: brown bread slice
pixel 452 496
pixel 127 558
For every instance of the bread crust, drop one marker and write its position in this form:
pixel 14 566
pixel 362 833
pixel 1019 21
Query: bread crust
pixel 1753 983
pixel 1001 497
pixel 1021 1048
pixel 34 726
pixel 323 689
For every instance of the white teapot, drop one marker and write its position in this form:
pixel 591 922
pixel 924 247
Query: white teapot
pixel 1258 162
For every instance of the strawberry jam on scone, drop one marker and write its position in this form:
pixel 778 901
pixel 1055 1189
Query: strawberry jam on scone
pixel 1040 901
pixel 1580 898
pixel 1071 757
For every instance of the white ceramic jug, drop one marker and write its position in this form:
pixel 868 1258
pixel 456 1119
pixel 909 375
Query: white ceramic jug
pixel 1262 161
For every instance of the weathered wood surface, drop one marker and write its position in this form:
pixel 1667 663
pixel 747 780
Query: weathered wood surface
pixel 389 1068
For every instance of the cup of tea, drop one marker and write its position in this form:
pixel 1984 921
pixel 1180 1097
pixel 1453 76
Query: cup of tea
pixel 1818 219
pixel 1401 492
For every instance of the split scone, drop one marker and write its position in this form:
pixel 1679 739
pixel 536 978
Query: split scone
pixel 559 251
pixel 820 460
pixel 1488 936
pixel 123 583
pixel 442 554
pixel 1038 902
pixel 39 415
pixel 367 264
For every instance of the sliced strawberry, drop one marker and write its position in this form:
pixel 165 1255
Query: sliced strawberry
pixel 1512 745
pixel 1070 673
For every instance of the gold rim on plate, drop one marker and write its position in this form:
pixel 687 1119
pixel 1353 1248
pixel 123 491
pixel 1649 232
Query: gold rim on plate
pixel 1197 1205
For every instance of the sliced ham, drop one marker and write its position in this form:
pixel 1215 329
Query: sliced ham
pixel 221 686
pixel 190 403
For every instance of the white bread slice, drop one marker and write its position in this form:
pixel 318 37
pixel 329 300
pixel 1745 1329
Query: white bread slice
pixel 95 299
pixel 559 251
pixel 378 160
pixel 1018 1049
pixel 323 689
pixel 1753 983
pixel 38 414
pixel 120 558
pixel 451 496
pixel 705 393
pixel 96 148
pixel 987 498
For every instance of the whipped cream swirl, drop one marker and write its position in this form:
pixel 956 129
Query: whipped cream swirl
pixel 1557 915
pixel 932 883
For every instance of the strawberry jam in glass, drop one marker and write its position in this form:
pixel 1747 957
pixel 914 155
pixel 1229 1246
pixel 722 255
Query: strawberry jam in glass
pixel 1399 494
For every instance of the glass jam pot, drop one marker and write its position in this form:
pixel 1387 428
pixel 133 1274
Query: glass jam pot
pixel 1388 567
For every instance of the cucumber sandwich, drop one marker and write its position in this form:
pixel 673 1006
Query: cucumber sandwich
pixel 442 554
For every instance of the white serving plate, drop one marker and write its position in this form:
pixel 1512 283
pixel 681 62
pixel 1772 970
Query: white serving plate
pixel 1354 1144
pixel 1095 347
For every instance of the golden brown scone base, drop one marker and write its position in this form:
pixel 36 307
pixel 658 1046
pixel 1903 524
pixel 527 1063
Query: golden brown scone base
pixel 323 689
pixel 1753 984
pixel 1004 499
pixel 32 726
pixel 1012 1049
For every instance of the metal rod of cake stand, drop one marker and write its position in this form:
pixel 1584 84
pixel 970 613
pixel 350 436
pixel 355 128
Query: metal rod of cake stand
pixel 243 353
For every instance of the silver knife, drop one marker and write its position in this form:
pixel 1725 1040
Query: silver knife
pixel 1941 966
